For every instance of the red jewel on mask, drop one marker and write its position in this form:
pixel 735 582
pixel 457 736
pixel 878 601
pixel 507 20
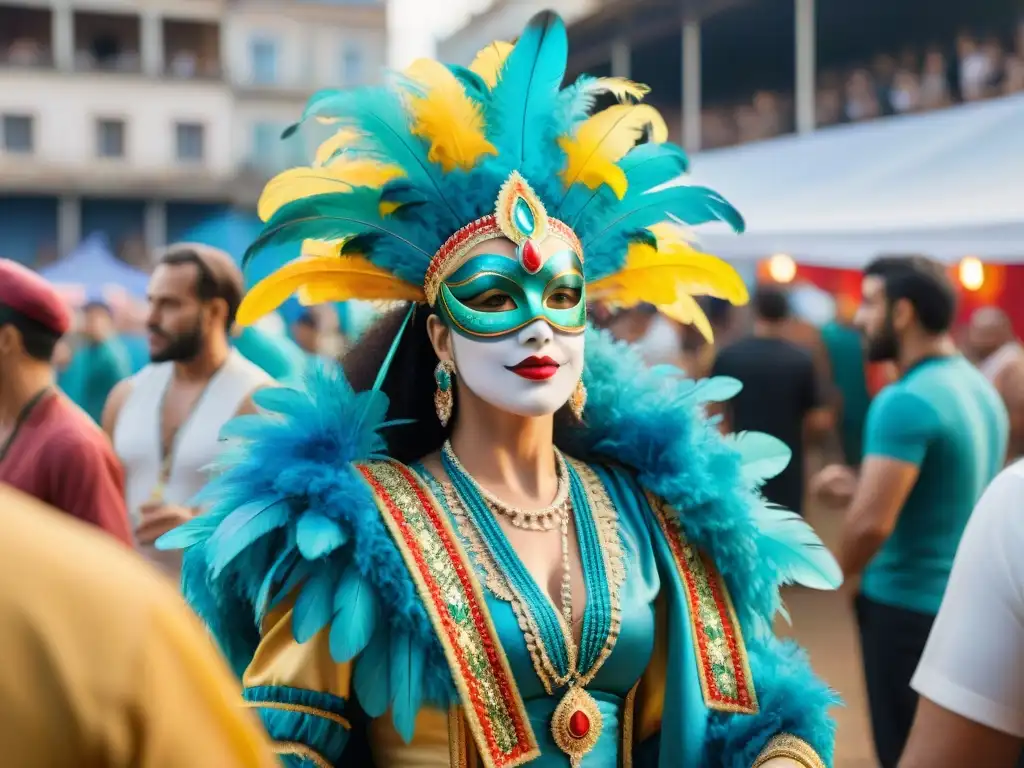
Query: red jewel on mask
pixel 529 256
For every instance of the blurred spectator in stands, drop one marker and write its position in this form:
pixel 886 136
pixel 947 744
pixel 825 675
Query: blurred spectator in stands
pixel 781 393
pixel 994 348
pixel 861 97
pixel 934 89
pixel 829 101
pixel 905 94
pixel 883 70
pixel 718 128
pixel 769 114
pixel 748 125
pixel 977 68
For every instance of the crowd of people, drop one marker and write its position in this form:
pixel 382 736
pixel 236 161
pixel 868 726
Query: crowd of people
pixel 974 68
pixel 396 559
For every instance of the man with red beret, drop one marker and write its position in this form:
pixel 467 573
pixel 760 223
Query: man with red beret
pixel 48 447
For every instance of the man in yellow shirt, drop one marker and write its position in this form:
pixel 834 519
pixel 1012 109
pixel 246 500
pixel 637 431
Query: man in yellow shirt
pixel 103 664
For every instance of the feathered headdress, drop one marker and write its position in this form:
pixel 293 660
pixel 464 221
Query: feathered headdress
pixel 408 184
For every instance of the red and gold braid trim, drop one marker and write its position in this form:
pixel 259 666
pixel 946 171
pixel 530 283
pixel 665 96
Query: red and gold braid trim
pixel 724 669
pixel 444 580
pixel 792 747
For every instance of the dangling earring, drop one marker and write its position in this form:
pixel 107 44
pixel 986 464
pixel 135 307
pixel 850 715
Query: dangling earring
pixel 578 400
pixel 443 397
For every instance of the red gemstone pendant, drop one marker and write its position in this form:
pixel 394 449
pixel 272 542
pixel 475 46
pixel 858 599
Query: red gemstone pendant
pixel 579 725
pixel 530 257
pixel 576 724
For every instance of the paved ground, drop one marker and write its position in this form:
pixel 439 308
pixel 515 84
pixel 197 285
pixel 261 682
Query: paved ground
pixel 823 623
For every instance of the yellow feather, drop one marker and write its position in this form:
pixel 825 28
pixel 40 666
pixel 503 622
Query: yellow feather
pixel 339 140
pixel 621 88
pixel 687 311
pixel 604 139
pixel 341 176
pixel 490 60
pixel 350 277
pixel 447 118
pixel 660 276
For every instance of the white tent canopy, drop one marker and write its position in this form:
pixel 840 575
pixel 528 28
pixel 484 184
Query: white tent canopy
pixel 946 184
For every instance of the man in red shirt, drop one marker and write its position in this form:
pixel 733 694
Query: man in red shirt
pixel 48 447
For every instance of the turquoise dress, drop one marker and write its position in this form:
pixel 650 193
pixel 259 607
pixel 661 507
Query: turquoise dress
pixel 630 652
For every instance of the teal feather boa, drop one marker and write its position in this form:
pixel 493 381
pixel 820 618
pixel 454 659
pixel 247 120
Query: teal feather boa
pixel 289 509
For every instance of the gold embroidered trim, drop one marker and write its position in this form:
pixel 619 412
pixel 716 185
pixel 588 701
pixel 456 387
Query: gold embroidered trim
pixel 499 586
pixel 301 709
pixel 792 747
pixel 606 519
pixel 457 757
pixel 301 750
pixel 627 727
pixel 722 663
pixel 451 595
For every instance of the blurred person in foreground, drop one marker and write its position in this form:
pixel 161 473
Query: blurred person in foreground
pixel 933 440
pixel 98 364
pixel 782 392
pixel 48 447
pixel 971 679
pixel 104 666
pixel 994 348
pixel 165 421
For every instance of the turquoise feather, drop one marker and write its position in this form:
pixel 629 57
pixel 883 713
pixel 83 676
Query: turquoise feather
pixel 476 87
pixel 317 535
pixel 526 95
pixel 284 560
pixel 792 548
pixel 314 606
pixel 372 675
pixel 243 427
pixel 716 389
pixel 356 607
pixel 763 456
pixel 195 530
pixel 694 205
pixel 244 527
pixel 406 683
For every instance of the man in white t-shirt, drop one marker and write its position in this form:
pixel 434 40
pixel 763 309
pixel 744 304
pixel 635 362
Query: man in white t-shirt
pixel 971 676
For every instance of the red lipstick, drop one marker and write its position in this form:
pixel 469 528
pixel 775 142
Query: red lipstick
pixel 535 368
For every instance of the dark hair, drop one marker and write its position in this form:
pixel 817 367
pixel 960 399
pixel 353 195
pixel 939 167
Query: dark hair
pixel 410 385
pixel 219 277
pixel 307 319
pixel 771 303
pixel 38 340
pixel 923 283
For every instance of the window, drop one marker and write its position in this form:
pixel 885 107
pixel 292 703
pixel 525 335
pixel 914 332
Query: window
pixel 17 134
pixel 352 65
pixel 263 53
pixel 189 140
pixel 110 138
pixel 264 144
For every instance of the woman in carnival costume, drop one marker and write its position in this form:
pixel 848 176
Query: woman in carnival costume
pixel 484 548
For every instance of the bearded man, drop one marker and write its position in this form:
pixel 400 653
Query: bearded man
pixel 165 421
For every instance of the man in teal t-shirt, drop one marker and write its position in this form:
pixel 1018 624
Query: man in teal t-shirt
pixel 98 364
pixel 932 442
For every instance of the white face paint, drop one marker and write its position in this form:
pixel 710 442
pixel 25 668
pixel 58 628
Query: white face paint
pixel 513 372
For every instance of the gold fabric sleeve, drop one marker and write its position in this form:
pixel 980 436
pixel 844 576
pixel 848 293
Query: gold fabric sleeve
pixel 649 702
pixel 280 660
pixel 786 745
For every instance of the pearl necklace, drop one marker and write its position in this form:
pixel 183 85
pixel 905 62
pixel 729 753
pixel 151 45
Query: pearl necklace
pixel 524 519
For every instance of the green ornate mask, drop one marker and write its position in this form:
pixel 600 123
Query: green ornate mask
pixel 492 295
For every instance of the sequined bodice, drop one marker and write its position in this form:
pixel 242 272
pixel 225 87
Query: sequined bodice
pixel 623 582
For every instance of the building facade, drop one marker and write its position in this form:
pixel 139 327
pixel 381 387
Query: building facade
pixel 143 118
